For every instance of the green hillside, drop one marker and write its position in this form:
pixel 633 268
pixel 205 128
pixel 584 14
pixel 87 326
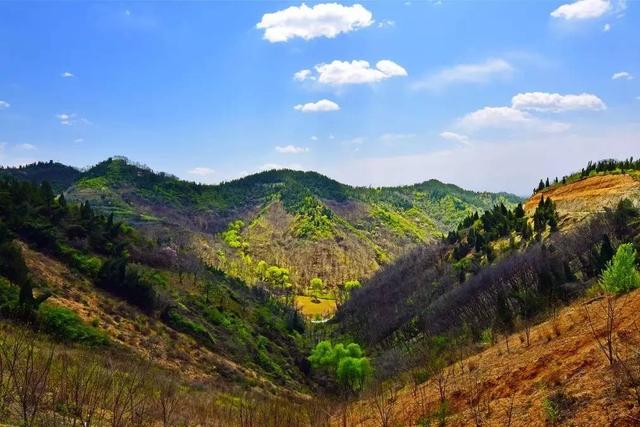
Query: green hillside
pixel 302 221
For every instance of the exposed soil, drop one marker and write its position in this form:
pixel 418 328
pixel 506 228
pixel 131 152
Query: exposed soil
pixel 563 356
pixel 577 200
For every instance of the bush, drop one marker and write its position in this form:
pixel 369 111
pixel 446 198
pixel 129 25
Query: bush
pixel 621 274
pixel 183 324
pixel 65 325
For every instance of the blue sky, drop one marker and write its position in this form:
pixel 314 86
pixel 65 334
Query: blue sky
pixel 488 95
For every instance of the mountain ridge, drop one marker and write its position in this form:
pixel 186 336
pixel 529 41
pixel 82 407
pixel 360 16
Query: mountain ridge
pixel 306 222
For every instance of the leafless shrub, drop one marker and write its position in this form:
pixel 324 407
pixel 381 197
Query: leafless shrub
pixel 383 397
pixel 28 368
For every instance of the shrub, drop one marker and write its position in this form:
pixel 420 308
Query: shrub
pixel 65 325
pixel 621 274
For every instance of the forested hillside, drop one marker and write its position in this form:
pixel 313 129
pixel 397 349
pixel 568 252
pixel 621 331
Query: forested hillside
pixel 129 301
pixel 82 277
pixel 307 225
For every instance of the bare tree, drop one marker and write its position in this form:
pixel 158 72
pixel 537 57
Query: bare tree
pixel 384 397
pixel 28 368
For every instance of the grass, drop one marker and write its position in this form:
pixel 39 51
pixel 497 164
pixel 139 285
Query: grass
pixel 310 308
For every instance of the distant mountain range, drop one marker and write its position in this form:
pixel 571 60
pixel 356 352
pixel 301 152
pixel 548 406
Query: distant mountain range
pixel 304 221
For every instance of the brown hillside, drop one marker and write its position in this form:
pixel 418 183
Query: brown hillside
pixel 563 356
pixel 577 200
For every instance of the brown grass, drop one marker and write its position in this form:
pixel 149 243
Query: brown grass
pixel 577 200
pixel 563 356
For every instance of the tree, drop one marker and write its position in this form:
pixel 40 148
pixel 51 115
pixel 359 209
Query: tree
pixel 316 288
pixel 346 362
pixel 14 268
pixel 621 274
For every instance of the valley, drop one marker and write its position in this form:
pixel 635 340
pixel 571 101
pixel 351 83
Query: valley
pixel 286 298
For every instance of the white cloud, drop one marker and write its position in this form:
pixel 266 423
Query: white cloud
pixel 69 119
pixel 322 20
pixel 202 171
pixel 314 138
pixel 387 23
pixel 356 72
pixel 4 104
pixel 67 74
pixel 303 75
pixel 65 118
pixel 508 118
pixel 455 137
pixel 321 106
pixel 582 9
pixel 466 73
pixel 622 75
pixel 606 27
pixel 78 140
pixel 291 149
pixel 26 147
pixel 554 102
pixel 395 137
pixel 521 161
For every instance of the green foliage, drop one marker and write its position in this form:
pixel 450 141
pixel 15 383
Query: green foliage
pixel 65 325
pixel 621 274
pixel 135 283
pixel 313 220
pixel 487 336
pixel 398 223
pixel 347 362
pixel 544 215
pixel 277 277
pixel 182 323
pixel 232 235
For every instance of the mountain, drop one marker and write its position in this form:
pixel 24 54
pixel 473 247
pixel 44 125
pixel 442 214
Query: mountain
pixel 556 243
pixel 58 175
pixel 302 221
pixel 501 321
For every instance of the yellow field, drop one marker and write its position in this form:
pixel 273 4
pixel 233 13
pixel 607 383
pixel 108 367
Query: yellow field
pixel 309 308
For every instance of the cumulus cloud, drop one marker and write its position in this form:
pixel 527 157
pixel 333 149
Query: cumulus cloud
pixel 321 106
pixel 322 20
pixel 454 137
pixel 67 74
pixel 202 171
pixel 622 75
pixel 508 118
pixel 466 73
pixel 303 75
pixel 582 9
pixel 554 102
pixel 4 104
pixel 291 149
pixel 354 72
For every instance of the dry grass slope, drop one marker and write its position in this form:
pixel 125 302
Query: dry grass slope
pixel 497 388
